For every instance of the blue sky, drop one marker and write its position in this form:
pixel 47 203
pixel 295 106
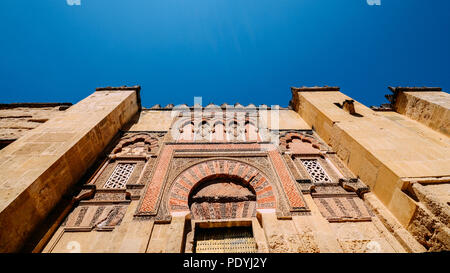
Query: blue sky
pixel 247 51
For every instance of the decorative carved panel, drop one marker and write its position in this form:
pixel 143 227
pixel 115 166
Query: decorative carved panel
pixel 137 145
pixel 99 217
pixel 120 176
pixel 216 128
pixel 343 208
pixel 316 171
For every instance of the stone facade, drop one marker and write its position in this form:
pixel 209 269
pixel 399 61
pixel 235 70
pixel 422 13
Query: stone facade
pixel 18 118
pixel 326 174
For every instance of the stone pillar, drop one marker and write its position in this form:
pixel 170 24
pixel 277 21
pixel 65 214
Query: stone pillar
pixel 268 219
pixel 260 238
pixel 280 234
pixel 46 162
pixel 132 235
pixel 175 233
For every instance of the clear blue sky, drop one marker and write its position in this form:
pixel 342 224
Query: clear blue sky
pixel 247 51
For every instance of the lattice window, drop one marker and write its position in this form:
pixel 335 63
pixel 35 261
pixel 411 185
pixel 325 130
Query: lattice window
pixel 225 240
pixel 120 176
pixel 316 171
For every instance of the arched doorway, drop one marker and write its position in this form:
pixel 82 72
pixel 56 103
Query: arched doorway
pixel 223 197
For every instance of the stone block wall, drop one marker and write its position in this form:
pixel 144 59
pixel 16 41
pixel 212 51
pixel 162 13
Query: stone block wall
pixel 428 107
pixel 385 150
pixel 18 118
pixel 310 229
pixel 45 162
pixel 403 162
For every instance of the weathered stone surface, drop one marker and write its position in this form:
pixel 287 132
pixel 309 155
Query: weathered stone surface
pixel 431 108
pixel 361 237
pixel 436 198
pixel 130 236
pixel 224 190
pixel 382 149
pixel 16 119
pixel 428 229
pixel 321 237
pixel 43 164
pixel 407 241
pixel 152 191
pixel 174 243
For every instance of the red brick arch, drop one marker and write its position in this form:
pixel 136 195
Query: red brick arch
pixel 189 178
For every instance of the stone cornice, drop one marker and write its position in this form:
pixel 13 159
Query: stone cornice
pixel 414 89
pixel 34 105
pixel 315 89
pixel 136 88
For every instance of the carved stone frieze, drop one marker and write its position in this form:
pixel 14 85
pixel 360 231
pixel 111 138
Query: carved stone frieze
pixel 94 217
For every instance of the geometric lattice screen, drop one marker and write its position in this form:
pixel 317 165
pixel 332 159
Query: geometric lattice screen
pixel 316 171
pixel 225 240
pixel 120 176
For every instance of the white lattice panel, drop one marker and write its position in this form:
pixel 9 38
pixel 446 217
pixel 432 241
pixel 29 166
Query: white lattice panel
pixel 316 171
pixel 120 176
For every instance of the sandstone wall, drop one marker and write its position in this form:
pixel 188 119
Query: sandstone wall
pixel 162 120
pixel 130 236
pixel 310 232
pixel 44 163
pixel 431 108
pixel 387 151
pixel 377 147
pixel 304 234
pixel 18 118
